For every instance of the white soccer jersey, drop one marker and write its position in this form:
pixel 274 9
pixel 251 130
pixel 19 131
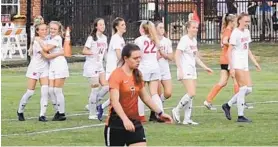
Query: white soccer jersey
pixel 148 63
pixel 94 63
pixel 38 62
pixel 116 42
pixel 189 48
pixel 59 63
pixel 166 47
pixel 240 41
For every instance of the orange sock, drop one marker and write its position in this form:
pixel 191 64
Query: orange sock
pixel 236 88
pixel 215 90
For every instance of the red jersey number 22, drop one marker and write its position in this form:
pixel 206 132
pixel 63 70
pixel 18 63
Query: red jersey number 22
pixel 149 47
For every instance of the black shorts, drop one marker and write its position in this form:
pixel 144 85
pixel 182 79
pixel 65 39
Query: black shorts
pixel 122 137
pixel 224 67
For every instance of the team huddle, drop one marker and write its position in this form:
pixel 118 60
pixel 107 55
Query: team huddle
pixel 131 68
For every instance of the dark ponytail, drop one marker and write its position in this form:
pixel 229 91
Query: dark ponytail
pixel 94 28
pixel 126 52
pixel 115 23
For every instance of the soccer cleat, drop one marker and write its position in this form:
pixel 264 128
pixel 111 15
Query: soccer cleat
pixel 99 112
pixel 247 106
pixel 210 106
pixel 243 119
pixel 61 117
pixel 55 116
pixel 189 122
pixel 87 107
pixel 176 115
pixel 153 117
pixel 20 116
pixel 226 108
pixel 43 119
pixel 93 117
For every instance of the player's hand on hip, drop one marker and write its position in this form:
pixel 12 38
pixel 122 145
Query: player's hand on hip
pixel 129 125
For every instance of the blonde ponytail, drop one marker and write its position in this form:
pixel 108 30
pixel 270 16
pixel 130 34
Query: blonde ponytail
pixel 226 19
pixel 188 25
pixel 150 30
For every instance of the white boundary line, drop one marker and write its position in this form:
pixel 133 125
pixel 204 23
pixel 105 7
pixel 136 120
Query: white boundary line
pixel 87 84
pixel 55 130
pixel 86 113
pixel 101 124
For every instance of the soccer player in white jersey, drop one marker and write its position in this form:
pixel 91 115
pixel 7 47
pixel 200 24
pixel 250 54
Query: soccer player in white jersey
pixel 186 57
pixel 165 55
pixel 116 45
pixel 37 70
pixel 95 48
pixel 238 53
pixel 58 69
pixel 148 42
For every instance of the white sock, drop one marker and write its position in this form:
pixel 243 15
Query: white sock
pixel 183 102
pixel 53 98
pixel 105 104
pixel 241 100
pixel 24 100
pixel 249 90
pixel 158 101
pixel 60 99
pixel 102 92
pixel 141 107
pixel 188 110
pixel 162 98
pixel 233 100
pixel 93 101
pixel 44 98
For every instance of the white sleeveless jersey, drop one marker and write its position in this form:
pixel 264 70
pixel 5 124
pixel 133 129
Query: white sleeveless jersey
pixel 59 63
pixel 116 42
pixel 98 49
pixel 38 63
pixel 148 63
pixel 240 41
pixel 166 47
pixel 189 48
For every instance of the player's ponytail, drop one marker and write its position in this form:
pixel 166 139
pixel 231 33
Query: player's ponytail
pixel 226 19
pixel 188 25
pixel 149 30
pixel 94 28
pixel 126 52
pixel 37 26
pixel 116 23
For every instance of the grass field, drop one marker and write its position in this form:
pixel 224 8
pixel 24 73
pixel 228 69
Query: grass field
pixel 214 129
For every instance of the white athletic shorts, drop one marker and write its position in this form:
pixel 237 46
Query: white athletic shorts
pixel 36 75
pixel 241 65
pixel 189 72
pixel 58 74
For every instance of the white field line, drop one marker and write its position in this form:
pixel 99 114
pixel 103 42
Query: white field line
pixel 101 124
pixel 56 130
pixel 86 113
pixel 87 84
